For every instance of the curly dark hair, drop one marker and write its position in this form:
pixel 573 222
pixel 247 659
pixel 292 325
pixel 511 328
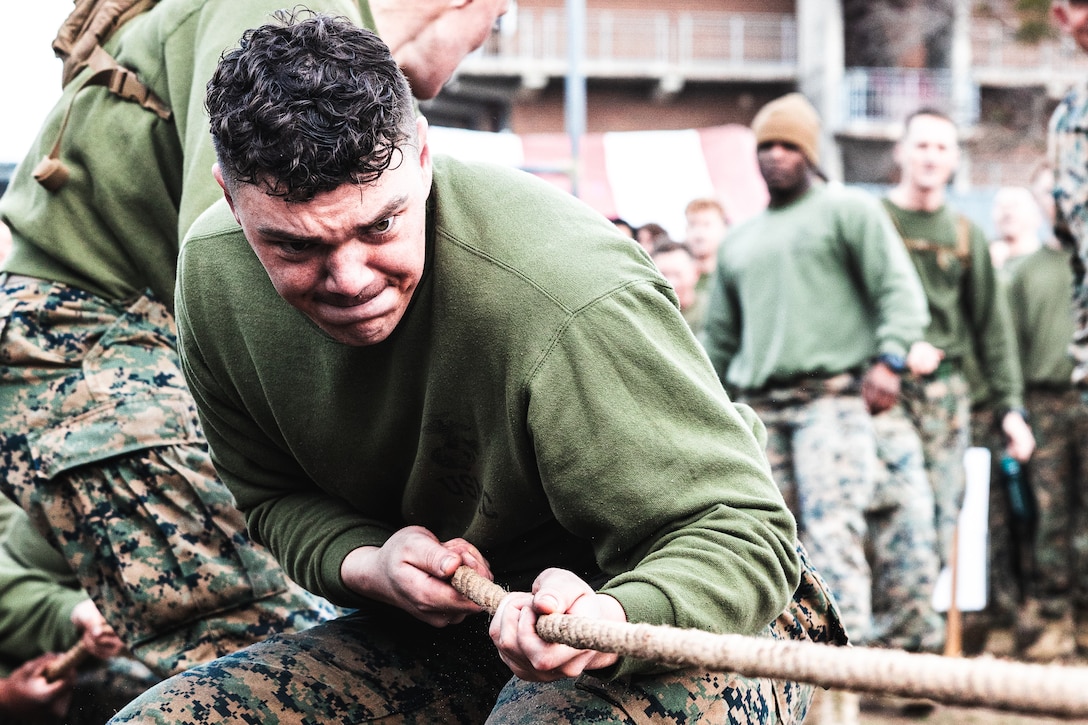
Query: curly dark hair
pixel 308 104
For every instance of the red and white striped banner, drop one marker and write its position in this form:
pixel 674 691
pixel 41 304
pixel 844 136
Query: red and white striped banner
pixel 642 176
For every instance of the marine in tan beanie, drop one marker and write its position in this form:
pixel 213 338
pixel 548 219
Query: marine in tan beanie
pixel 790 119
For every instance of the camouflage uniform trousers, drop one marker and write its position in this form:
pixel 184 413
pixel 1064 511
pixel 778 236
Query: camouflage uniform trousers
pixel 903 541
pixel 1058 473
pixel 822 449
pixel 940 408
pixel 100 444
pixel 387 667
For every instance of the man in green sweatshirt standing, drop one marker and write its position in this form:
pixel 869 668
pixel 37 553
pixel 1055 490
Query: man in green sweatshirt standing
pixel 952 258
pixel 812 314
pixel 402 368
pixel 1040 293
pixel 99 438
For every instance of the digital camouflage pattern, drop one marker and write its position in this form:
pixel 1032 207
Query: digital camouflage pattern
pixel 903 541
pixel 940 408
pixel 1068 141
pixel 101 445
pixel 364 667
pixel 1059 478
pixel 822 449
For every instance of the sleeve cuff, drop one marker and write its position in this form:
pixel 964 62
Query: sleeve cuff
pixel 335 553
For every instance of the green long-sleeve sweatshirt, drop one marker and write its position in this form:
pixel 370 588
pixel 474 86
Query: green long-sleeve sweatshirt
pixel 1040 290
pixel 818 286
pixel 542 397
pixel 37 594
pixel 137 182
pixel 964 298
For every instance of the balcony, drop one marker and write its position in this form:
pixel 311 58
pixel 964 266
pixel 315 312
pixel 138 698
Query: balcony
pixel 671 47
pixel 875 101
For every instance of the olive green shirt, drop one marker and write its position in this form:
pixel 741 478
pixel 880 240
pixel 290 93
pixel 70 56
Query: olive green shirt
pixel 542 397
pixel 963 295
pixel 1040 290
pixel 817 287
pixel 37 593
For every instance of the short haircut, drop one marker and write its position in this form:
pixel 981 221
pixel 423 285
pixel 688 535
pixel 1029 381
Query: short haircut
pixel 307 104
pixel 671 246
pixel 926 111
pixel 705 204
pixel 655 230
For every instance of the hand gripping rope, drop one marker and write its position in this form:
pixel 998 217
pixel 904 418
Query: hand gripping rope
pixel 996 684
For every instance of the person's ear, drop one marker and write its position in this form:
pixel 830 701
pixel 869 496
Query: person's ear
pixel 1061 15
pixel 218 174
pixel 426 167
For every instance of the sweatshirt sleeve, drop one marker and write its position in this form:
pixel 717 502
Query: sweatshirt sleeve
pixel 887 275
pixel 995 339
pixel 721 329
pixel 35 606
pixel 307 530
pixel 675 491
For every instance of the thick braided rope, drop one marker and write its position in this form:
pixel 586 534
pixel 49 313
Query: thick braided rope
pixel 997 684
pixel 68 661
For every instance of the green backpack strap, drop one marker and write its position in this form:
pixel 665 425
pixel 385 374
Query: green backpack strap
pixel 963 240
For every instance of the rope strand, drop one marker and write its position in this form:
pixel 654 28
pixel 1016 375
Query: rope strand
pixel 68 661
pixel 996 684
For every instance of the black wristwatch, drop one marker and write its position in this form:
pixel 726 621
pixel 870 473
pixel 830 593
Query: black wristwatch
pixel 895 363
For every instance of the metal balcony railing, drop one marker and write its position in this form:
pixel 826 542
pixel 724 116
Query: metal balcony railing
pixel 997 58
pixel 885 96
pixel 645 44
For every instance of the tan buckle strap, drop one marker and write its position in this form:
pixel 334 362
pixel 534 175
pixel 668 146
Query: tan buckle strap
pixel 123 83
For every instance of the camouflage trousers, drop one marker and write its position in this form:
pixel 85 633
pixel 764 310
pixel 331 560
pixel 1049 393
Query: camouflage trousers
pixel 1058 473
pixel 940 408
pixel 391 668
pixel 822 450
pixel 100 444
pixel 903 541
